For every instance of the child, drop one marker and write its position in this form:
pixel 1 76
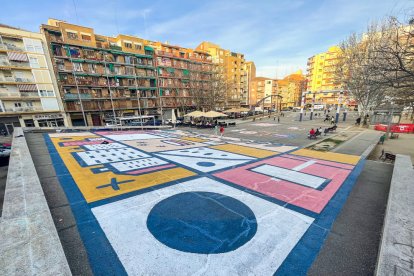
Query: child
pixel 221 131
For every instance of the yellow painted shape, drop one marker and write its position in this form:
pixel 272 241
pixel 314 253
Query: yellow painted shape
pixel 330 156
pixel 194 139
pixel 88 182
pixel 254 152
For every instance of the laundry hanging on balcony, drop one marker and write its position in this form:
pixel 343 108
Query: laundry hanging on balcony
pixel 17 56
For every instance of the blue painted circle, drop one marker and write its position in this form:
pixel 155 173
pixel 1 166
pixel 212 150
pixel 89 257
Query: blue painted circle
pixel 206 164
pixel 202 222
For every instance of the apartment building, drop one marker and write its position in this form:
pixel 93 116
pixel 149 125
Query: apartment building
pixel 321 84
pixel 184 77
pixel 28 93
pixel 232 65
pixel 290 89
pixel 101 77
pixel 250 69
pixel 264 93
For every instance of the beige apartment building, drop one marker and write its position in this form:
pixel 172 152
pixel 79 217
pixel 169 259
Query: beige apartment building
pixel 250 69
pixel 232 65
pixel 29 96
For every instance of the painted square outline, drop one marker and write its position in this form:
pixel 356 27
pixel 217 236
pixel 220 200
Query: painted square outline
pixel 308 198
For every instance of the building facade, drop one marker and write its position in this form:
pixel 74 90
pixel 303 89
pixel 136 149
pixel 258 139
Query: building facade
pixel 322 87
pixel 290 88
pixel 102 78
pixel 29 96
pixel 184 78
pixel 264 93
pixel 250 69
pixel 232 65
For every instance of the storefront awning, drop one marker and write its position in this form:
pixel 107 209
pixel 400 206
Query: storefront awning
pixel 17 56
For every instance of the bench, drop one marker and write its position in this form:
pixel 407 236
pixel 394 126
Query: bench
pixel 326 130
pixel 313 136
pixel 389 156
pixel 332 129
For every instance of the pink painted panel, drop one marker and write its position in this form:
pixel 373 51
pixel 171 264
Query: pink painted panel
pixel 295 194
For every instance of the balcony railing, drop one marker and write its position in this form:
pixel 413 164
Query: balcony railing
pixel 76 96
pixel 7 79
pixel 23 80
pixel 23 109
pixel 9 46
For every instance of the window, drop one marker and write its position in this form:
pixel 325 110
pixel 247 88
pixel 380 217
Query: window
pixel 29 104
pixel 128 45
pixel 72 35
pixel 17 104
pixel 129 70
pixel 86 37
pixel 46 90
pixel 42 76
pixel 33 45
pixel 34 62
pixel 137 46
pixel 77 67
pixel 92 68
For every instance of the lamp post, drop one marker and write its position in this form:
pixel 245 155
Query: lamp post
pixel 339 107
pixel 313 105
pixel 302 104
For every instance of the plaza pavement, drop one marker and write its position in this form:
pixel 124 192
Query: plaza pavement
pixel 70 231
pixel 69 227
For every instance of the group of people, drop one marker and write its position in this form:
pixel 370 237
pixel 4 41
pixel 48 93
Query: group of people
pixel 314 134
pixel 329 119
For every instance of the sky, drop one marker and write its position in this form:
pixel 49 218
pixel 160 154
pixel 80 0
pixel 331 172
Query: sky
pixel 279 35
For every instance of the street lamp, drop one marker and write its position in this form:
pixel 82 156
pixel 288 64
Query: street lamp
pixel 339 107
pixel 302 104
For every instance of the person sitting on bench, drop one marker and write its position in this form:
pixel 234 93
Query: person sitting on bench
pixel 312 134
pixel 318 132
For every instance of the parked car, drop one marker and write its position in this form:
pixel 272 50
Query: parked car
pixel 5 152
pixel 153 122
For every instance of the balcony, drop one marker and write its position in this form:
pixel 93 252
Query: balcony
pixel 115 47
pixel 11 47
pixel 75 97
pixel 7 79
pixel 24 80
pixel 23 109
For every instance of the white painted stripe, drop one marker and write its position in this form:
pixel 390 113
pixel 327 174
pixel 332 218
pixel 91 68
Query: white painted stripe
pixel 289 175
pixel 304 165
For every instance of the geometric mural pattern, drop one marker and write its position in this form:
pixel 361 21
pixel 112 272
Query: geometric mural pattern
pixel 176 203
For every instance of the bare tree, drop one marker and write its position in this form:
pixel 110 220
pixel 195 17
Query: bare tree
pixel 395 59
pixel 356 72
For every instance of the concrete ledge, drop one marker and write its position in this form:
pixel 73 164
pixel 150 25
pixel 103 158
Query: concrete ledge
pixel 83 128
pixel 397 245
pixel 29 243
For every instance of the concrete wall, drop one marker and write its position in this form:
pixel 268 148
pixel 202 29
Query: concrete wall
pixel 29 243
pixel 396 254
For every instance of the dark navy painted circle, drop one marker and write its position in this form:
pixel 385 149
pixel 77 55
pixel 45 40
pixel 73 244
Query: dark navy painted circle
pixel 202 222
pixel 206 164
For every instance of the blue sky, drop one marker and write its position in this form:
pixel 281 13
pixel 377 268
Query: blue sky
pixel 277 35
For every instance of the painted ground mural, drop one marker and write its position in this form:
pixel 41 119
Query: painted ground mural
pixel 175 203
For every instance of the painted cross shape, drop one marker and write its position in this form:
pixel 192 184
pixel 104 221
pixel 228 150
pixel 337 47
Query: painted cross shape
pixel 114 184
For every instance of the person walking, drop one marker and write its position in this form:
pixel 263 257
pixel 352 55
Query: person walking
pixel 278 119
pixel 332 120
pixel 216 129
pixel 221 131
